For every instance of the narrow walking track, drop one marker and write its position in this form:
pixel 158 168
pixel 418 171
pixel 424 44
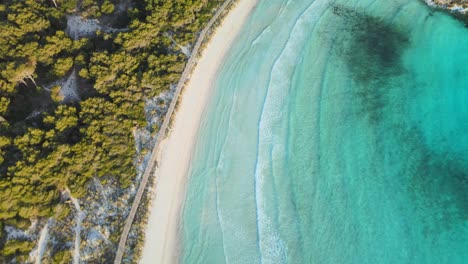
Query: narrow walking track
pixel 162 133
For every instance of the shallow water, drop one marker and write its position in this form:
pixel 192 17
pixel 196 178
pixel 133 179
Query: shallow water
pixel 337 133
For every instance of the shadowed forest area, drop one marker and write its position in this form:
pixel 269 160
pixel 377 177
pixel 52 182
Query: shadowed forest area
pixel 50 141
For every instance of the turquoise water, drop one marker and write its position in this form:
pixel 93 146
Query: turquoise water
pixel 337 133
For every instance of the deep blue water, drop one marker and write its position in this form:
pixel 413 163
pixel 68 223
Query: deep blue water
pixel 337 133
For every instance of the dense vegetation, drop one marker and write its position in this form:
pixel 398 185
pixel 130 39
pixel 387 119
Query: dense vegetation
pixel 48 144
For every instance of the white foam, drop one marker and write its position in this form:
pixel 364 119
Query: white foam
pixel 272 247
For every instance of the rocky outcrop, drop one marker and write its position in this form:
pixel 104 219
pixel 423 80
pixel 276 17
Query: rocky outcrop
pixel 455 6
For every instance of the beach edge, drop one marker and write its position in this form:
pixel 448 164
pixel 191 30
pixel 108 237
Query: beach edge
pixel 162 244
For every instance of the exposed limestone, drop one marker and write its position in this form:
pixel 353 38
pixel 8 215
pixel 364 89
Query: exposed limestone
pixel 455 6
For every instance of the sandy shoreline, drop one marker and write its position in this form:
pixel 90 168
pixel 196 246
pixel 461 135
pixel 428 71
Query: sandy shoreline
pixel 161 245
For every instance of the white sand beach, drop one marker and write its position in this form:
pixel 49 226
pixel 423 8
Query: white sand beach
pixel 162 234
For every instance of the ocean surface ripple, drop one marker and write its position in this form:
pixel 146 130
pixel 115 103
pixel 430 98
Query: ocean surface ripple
pixel 337 133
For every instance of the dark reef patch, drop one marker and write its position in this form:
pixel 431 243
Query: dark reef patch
pixel 438 181
pixel 371 49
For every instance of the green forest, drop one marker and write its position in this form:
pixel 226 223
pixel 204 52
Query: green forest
pixel 48 144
